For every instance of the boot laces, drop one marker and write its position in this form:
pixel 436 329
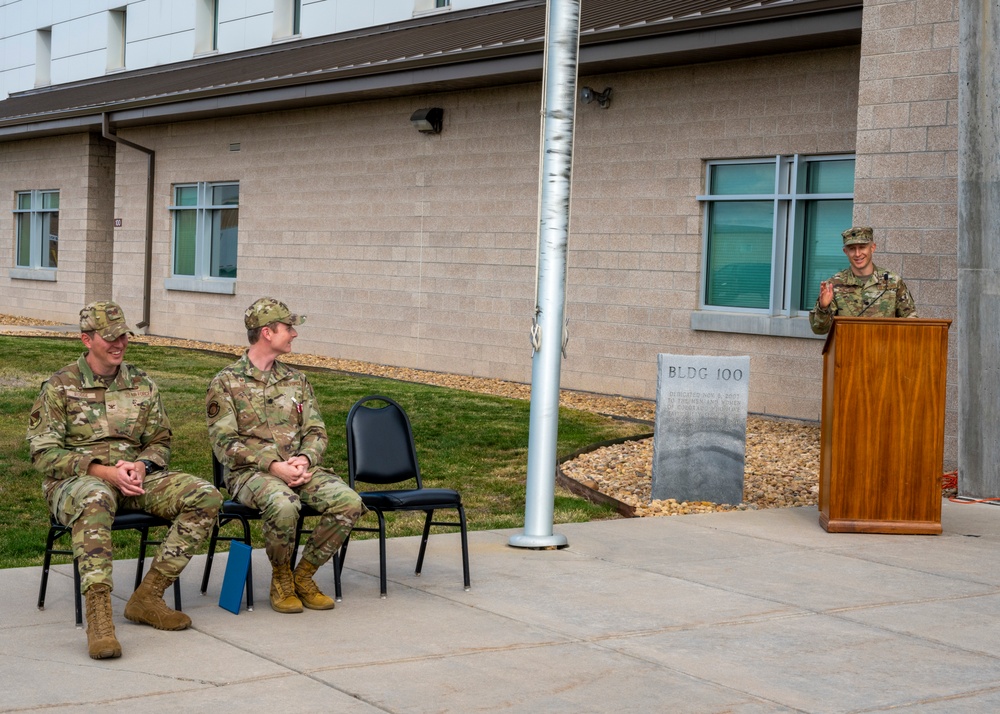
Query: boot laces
pixel 99 615
pixel 285 583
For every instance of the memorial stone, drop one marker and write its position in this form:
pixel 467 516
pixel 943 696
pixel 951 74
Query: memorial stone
pixel 699 445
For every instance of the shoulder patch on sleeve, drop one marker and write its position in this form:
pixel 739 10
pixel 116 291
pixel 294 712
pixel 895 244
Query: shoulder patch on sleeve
pixel 213 409
pixel 35 419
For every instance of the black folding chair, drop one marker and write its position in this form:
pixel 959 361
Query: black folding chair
pixel 233 510
pixel 125 519
pixel 381 451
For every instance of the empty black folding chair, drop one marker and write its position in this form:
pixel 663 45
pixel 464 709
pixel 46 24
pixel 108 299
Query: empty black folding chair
pixel 381 451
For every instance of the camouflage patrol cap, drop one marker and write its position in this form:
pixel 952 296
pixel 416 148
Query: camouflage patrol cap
pixel 105 318
pixel 858 235
pixel 267 310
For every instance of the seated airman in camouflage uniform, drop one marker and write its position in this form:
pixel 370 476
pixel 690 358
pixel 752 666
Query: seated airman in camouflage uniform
pixel 863 289
pixel 267 429
pixel 100 435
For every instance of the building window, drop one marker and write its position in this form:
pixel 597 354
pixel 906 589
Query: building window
pixel 43 57
pixel 116 38
pixel 287 18
pixel 206 26
pixel 772 231
pixel 205 218
pixel 36 221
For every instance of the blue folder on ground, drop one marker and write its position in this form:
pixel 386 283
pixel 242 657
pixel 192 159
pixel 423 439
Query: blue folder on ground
pixel 237 567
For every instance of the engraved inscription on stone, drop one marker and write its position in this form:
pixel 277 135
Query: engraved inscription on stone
pixel 701 424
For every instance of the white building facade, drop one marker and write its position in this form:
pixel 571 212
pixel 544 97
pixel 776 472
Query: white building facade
pixel 45 42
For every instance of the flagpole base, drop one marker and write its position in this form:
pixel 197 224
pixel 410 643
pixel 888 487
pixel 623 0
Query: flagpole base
pixel 523 540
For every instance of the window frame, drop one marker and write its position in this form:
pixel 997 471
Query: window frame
pixel 204 217
pixel 38 266
pixel 787 237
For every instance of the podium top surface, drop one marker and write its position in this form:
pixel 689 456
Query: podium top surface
pixel 873 321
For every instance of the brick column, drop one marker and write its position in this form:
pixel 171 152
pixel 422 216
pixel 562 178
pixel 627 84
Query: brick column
pixel 906 177
pixel 979 251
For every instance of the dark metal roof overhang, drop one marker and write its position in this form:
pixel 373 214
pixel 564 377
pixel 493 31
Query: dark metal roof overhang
pixel 500 44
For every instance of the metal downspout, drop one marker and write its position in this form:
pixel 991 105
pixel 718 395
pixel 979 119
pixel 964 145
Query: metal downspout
pixel 147 273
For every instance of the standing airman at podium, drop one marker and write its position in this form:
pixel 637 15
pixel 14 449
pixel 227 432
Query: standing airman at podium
pixel 861 290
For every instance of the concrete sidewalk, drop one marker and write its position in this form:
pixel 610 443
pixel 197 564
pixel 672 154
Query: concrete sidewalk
pixel 758 611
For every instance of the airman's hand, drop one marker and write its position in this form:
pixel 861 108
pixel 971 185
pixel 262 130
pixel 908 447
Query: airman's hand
pixel 293 472
pixel 126 476
pixel 825 294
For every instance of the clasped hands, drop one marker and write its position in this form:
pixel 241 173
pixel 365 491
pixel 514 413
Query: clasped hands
pixel 126 476
pixel 295 471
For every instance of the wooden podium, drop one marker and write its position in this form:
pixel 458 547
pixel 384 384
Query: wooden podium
pixel 882 447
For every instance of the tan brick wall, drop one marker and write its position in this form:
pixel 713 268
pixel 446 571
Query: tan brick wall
pixel 100 219
pixel 419 250
pixel 907 159
pixel 79 166
pixel 636 247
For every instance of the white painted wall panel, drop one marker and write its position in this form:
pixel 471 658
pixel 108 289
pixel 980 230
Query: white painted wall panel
pixel 162 31
pixel 230 10
pixel 79 36
pixel 258 30
pixel 351 15
pixel 174 47
pixel 387 11
pixel 319 18
pixel 79 66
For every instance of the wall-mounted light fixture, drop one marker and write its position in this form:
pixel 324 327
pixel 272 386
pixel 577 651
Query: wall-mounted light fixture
pixel 428 121
pixel 588 95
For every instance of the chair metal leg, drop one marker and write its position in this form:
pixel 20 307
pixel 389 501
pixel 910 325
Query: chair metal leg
pixel 338 592
pixel 77 596
pixel 465 542
pixel 145 542
pixel 249 583
pixel 381 551
pixel 298 537
pixel 338 564
pixel 46 564
pixel 141 562
pixel 423 541
pixel 210 557
pixel 465 548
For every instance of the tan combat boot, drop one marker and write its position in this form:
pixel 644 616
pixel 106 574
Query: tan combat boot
pixel 147 607
pixel 307 590
pixel 283 590
pixel 101 641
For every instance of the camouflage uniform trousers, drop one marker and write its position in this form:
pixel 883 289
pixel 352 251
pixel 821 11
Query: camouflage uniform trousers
pixel 279 506
pixel 88 505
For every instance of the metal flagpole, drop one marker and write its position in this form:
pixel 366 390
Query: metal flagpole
pixel 562 41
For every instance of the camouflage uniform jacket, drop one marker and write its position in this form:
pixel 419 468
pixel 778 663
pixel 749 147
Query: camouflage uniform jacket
pixel 77 420
pixel 257 418
pixel 878 296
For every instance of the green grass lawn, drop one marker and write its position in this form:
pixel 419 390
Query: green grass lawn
pixel 474 443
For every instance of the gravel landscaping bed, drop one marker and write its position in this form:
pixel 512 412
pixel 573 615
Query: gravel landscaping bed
pixel 781 470
pixel 782 457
